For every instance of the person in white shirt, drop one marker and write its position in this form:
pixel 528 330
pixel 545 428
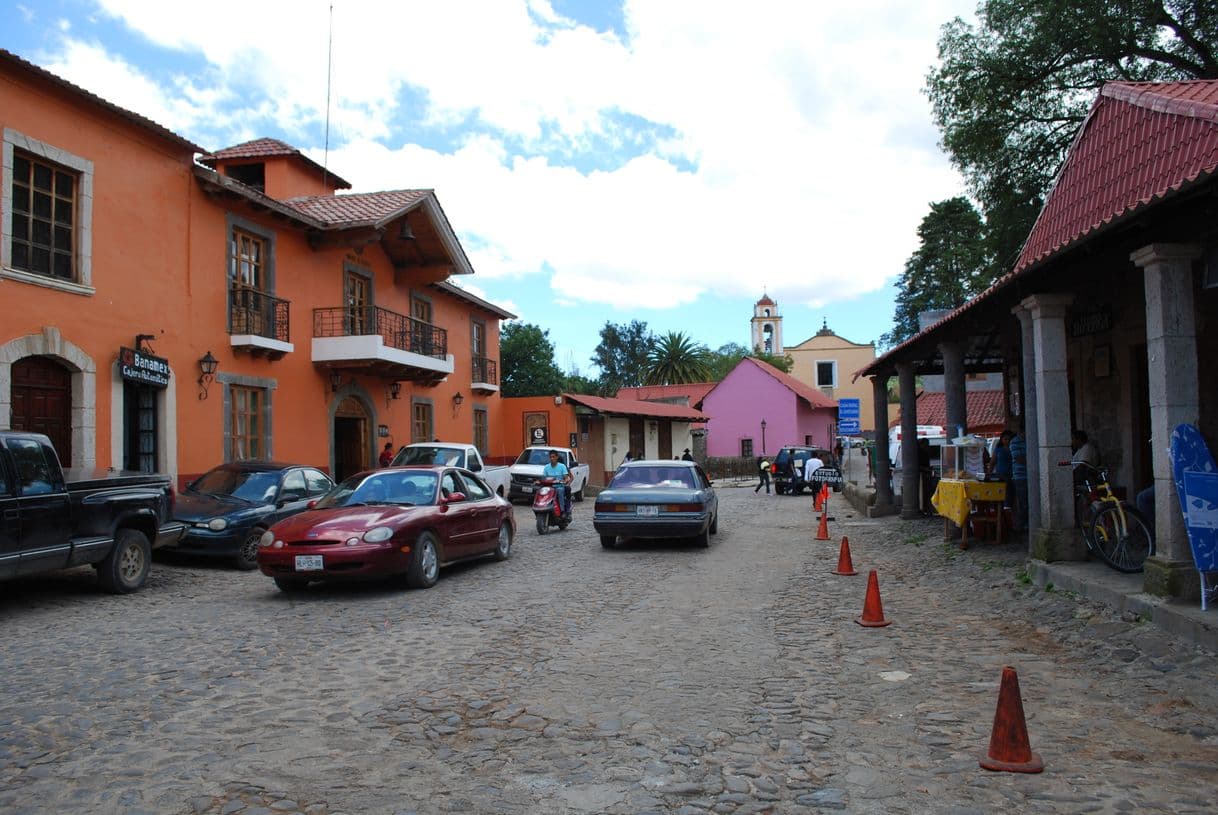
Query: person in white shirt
pixel 811 466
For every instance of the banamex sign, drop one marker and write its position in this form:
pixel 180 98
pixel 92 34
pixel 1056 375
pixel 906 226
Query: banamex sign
pixel 136 366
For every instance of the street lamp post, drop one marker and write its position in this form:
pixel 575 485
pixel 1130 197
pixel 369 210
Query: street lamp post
pixel 763 437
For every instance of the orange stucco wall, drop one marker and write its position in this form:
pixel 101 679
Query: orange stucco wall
pixel 159 266
pixel 561 422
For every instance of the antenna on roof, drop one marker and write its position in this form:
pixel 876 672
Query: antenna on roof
pixel 325 164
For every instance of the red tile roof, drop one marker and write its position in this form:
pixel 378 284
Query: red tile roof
pixel 809 394
pixel 693 392
pixel 766 301
pixel 265 148
pixel 636 407
pixel 986 411
pixel 1140 142
pixel 358 209
pixel 13 61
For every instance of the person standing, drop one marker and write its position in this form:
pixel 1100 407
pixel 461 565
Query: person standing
pixel 810 467
pixel 1018 446
pixel 386 457
pixel 763 476
pixel 687 456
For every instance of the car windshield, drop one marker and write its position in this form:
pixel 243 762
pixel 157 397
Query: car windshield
pixel 535 456
pixel 645 477
pixel 255 486
pixel 399 488
pixel 428 454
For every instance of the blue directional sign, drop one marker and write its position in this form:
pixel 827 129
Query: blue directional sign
pixel 847 409
pixel 848 427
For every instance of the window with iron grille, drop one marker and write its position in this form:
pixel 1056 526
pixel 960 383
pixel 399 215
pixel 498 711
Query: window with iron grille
pixel 43 218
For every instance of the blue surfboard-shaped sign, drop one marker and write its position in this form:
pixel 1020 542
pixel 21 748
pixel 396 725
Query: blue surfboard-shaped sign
pixel 1196 478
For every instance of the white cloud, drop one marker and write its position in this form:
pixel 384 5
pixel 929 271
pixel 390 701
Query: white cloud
pixel 811 140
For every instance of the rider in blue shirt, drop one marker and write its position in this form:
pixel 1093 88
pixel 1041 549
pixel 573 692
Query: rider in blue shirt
pixel 559 472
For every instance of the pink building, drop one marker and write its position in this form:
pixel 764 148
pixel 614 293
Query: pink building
pixel 757 409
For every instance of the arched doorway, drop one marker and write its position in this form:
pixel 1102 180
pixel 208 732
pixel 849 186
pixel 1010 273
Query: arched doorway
pixel 42 401
pixel 351 438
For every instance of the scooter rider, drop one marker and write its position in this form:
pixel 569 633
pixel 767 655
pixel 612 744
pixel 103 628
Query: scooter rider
pixel 559 472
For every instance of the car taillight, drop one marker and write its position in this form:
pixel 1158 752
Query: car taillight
pixel 682 507
pixel 613 507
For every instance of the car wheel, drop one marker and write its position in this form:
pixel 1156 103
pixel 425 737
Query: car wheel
pixel 424 563
pixel 504 549
pixel 289 586
pixel 579 496
pixel 607 541
pixel 543 522
pixel 714 524
pixel 247 554
pixel 126 567
pixel 703 538
pixel 779 489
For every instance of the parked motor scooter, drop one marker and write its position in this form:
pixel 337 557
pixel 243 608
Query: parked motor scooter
pixel 546 507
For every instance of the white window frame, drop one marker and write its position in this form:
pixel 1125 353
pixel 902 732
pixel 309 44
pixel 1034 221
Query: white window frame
pixel 816 373
pixel 82 282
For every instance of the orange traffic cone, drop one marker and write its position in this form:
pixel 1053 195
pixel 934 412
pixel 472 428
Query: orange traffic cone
pixel 822 533
pixel 873 609
pixel 818 501
pixel 845 566
pixel 1009 748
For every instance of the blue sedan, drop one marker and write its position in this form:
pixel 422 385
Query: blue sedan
pixel 227 509
pixel 657 499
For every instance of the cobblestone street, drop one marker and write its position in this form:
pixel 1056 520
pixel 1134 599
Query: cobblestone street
pixel 652 678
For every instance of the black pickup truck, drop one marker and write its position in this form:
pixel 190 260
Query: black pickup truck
pixel 111 521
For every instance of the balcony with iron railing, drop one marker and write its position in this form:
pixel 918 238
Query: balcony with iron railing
pixel 485 374
pixel 259 322
pixel 380 342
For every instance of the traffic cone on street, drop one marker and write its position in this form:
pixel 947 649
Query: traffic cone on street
pixel 818 501
pixel 873 609
pixel 1009 748
pixel 822 533
pixel 845 566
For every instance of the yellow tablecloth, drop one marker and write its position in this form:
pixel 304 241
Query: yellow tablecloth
pixel 953 499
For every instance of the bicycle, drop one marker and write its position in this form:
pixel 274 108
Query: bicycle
pixel 1111 528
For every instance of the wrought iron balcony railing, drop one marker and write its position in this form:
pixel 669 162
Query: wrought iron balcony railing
pixel 486 370
pixel 251 311
pixel 397 330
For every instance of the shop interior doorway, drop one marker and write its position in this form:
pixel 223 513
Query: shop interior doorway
pixel 351 440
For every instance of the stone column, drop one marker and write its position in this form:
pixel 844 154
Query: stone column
pixel 883 466
pixel 909 441
pixel 1054 537
pixel 953 387
pixel 1171 352
pixel 1028 416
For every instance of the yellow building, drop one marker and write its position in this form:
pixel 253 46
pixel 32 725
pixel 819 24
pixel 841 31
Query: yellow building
pixel 828 362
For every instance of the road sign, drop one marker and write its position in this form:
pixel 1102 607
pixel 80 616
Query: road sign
pixel 848 427
pixel 848 409
pixel 828 475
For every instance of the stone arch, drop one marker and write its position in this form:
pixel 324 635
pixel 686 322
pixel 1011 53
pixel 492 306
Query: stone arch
pixel 357 392
pixel 51 343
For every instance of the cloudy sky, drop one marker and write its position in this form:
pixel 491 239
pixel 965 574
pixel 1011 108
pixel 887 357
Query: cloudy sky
pixel 601 160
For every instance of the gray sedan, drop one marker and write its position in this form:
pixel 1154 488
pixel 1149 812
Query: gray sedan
pixel 657 499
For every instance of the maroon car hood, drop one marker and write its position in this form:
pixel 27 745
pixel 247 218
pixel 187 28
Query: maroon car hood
pixel 343 522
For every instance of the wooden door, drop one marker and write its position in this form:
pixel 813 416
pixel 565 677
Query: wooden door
pixel 351 451
pixel 638 443
pixel 665 439
pixel 42 402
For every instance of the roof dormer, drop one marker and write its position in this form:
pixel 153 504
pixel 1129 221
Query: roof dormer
pixel 274 168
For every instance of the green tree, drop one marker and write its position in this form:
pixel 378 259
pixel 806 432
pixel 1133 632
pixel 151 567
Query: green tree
pixel 1010 93
pixel 527 359
pixel 721 361
pixel 675 359
pixel 948 267
pixel 783 363
pixel 622 356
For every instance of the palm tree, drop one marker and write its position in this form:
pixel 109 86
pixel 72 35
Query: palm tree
pixel 675 359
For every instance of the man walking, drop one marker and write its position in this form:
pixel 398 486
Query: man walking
pixel 763 475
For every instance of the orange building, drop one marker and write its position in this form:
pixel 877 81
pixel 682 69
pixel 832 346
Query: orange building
pixel 167 314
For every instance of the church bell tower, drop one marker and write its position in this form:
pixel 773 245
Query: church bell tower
pixel 767 327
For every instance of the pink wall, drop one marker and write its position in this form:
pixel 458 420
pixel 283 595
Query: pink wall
pixel 745 397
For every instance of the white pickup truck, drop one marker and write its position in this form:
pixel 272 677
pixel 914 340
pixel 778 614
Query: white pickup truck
pixel 527 471
pixel 454 454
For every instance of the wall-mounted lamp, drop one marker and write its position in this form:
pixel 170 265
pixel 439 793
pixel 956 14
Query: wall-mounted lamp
pixel 207 372
pixel 336 381
pixel 394 391
pixel 457 400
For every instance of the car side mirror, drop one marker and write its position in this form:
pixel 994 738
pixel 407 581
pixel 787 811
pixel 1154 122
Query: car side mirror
pixel 289 497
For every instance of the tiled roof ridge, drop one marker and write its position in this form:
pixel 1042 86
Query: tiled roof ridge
pixel 278 147
pixel 802 389
pixel 1148 95
pixel 302 199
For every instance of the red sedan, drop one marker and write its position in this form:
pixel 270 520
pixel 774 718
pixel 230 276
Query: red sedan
pixel 404 520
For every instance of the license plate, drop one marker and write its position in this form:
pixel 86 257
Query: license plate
pixel 527 489
pixel 309 563
pixel 646 510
